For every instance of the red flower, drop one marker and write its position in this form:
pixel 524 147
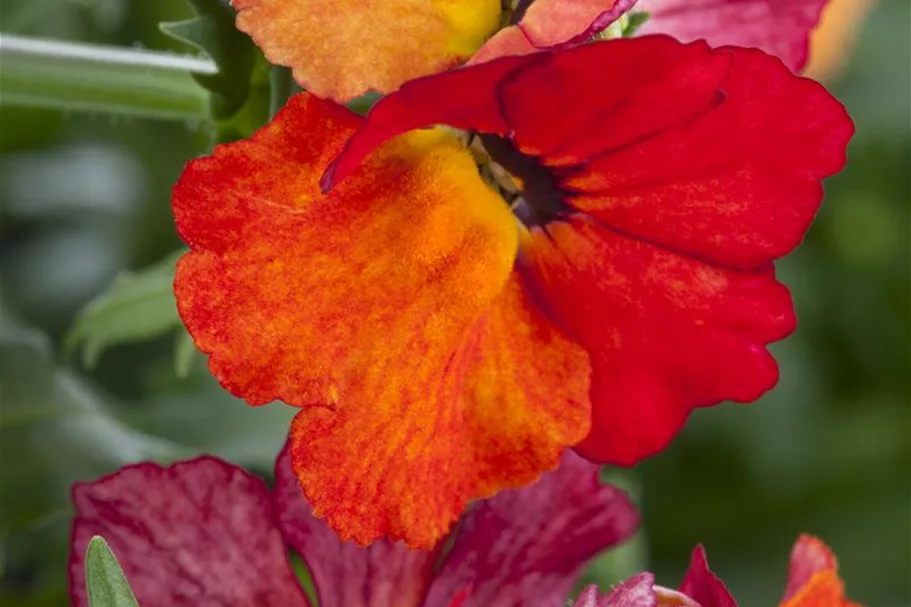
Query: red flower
pixel 452 351
pixel 778 27
pixel 204 532
pixel 812 582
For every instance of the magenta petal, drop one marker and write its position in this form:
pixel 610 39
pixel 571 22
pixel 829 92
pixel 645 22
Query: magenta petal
pixel 199 533
pixel 527 547
pixel 779 27
pixel 638 591
pixel 702 585
pixel 386 574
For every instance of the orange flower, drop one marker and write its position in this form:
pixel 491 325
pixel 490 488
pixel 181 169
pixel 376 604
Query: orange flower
pixel 445 348
pixel 341 50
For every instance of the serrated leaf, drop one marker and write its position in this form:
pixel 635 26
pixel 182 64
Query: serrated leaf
pixel 105 582
pixel 135 307
pixel 213 32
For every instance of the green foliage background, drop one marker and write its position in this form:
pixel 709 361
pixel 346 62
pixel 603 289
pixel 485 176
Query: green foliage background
pixel 84 197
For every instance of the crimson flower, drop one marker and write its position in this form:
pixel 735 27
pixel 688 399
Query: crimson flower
pixel 812 582
pixel 206 533
pixel 449 333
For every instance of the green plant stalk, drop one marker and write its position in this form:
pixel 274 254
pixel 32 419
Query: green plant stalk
pixel 101 79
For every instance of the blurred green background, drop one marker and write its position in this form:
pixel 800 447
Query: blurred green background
pixel 84 197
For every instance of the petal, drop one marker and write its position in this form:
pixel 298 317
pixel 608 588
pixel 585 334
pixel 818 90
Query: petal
pixel 502 409
pixel 386 574
pixel 824 589
pixel 463 98
pixel 342 52
pixel 527 547
pixel 716 154
pixel 779 27
pixel 809 556
pixel 666 332
pixel 198 533
pixel 549 24
pixel 374 302
pixel 813 579
pixel 702 585
pixel 508 42
pixel 637 591
pixel 560 23
pixel 605 95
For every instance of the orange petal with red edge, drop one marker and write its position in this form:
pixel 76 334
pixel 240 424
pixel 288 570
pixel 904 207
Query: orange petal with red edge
pixel 384 303
pixel 341 50
pixel 495 415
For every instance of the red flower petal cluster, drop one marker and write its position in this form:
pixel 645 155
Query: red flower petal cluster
pixel 812 582
pixel 657 182
pixel 206 533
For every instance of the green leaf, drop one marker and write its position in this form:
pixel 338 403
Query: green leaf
pixel 213 32
pixel 93 78
pixel 185 354
pixel 634 22
pixel 137 306
pixel 105 582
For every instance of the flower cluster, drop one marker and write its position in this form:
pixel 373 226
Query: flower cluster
pixel 544 244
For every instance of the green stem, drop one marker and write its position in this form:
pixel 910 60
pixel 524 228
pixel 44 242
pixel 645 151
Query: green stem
pixel 109 80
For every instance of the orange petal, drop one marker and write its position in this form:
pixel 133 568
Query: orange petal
pixel 404 461
pixel 824 589
pixel 343 49
pixel 378 302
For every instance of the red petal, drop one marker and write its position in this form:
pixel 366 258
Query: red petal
pixel 702 585
pixel 462 98
pixel 779 27
pixel 717 154
pixel 665 332
pixel 527 547
pixel 199 533
pixel 386 574
pixel 608 95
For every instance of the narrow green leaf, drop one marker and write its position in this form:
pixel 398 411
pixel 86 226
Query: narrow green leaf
pixel 84 77
pixel 105 582
pixel 137 306
pixel 213 32
pixel 185 354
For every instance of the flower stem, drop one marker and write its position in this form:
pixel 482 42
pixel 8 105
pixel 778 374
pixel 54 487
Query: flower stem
pixel 102 79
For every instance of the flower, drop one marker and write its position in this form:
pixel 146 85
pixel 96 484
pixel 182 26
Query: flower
pixel 443 349
pixel 342 50
pixel 812 582
pixel 204 532
pixel 779 27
